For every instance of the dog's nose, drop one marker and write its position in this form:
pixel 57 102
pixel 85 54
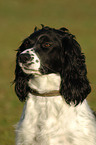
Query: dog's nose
pixel 24 57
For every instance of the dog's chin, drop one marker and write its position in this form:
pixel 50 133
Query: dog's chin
pixel 29 69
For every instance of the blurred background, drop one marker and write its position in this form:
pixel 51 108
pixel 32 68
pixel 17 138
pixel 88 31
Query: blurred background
pixel 17 20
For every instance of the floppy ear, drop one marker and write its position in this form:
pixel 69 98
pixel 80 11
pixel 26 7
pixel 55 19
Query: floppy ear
pixel 21 87
pixel 74 83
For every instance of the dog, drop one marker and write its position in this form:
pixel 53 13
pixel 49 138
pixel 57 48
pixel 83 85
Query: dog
pixel 51 77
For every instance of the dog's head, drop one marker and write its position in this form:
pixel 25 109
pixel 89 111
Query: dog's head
pixel 48 51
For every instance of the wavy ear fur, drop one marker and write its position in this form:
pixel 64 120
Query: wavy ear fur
pixel 74 85
pixel 21 88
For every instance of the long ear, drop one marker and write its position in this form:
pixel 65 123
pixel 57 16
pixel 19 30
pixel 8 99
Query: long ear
pixel 74 85
pixel 21 86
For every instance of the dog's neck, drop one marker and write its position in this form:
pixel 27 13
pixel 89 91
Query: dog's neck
pixel 45 83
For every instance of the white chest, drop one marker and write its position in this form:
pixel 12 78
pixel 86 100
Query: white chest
pixel 51 121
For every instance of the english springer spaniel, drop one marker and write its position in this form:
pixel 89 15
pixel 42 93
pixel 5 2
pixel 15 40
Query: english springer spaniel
pixel 51 78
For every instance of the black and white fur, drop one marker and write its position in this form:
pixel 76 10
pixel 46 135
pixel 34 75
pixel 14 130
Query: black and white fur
pixel 51 60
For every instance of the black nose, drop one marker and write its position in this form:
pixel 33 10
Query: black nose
pixel 24 57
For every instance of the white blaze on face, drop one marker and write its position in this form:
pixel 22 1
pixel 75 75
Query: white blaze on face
pixel 32 66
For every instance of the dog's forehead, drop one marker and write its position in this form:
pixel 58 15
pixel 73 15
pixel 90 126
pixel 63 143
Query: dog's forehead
pixel 44 37
pixel 49 34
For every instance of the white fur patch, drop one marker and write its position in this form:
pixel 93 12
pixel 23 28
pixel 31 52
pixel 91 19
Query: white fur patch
pixel 50 121
pixel 45 83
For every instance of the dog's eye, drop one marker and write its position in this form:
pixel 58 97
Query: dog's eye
pixel 46 45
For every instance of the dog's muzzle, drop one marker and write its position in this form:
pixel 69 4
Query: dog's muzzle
pixel 28 60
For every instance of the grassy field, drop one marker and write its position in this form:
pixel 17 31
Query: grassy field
pixel 17 20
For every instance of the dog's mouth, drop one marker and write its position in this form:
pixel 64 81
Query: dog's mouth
pixel 29 70
pixel 26 68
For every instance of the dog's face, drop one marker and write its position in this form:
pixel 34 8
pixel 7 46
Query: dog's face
pixel 48 51
pixel 42 55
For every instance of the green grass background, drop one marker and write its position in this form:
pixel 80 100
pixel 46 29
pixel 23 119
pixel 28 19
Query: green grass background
pixel 17 20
